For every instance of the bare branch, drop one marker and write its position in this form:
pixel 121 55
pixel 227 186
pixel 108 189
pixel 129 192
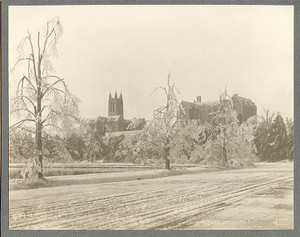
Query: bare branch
pixel 23 88
pixel 26 78
pixel 22 43
pixel 160 109
pixel 161 88
pixel 21 60
pixel 39 57
pixel 53 84
pixel 22 97
pixel 48 115
pixel 44 107
pixel 39 47
pixel 22 109
pixel 51 124
pixel 47 38
pixel 74 117
pixel 21 122
pixel 53 76
pixel 23 128
pixel 52 89
pixel 54 41
pixel 33 57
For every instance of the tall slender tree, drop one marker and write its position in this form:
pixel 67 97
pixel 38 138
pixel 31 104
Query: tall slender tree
pixel 158 138
pixel 42 99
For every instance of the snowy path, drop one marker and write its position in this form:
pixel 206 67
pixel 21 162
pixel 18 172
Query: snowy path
pixel 164 203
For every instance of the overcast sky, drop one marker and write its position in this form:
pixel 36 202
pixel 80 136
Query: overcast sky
pixel 131 49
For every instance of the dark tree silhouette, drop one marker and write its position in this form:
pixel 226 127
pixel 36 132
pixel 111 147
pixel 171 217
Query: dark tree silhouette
pixel 273 140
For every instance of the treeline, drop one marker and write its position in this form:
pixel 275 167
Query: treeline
pixel 270 139
pixel 222 141
pixel 84 143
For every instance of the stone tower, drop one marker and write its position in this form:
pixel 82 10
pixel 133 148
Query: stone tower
pixel 115 105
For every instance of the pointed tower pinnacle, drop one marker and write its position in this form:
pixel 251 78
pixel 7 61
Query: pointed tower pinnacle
pixel 121 96
pixel 116 96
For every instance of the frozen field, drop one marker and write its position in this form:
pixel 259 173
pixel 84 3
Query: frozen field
pixel 256 198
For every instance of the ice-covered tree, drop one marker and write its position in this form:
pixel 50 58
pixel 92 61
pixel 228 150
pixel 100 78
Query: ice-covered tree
pixel 136 124
pixel 42 100
pixel 229 143
pixel 93 141
pixel 156 140
pixel 189 141
pixel 223 128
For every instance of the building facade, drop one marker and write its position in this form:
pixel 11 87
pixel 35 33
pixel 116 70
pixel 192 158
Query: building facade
pixel 203 111
pixel 244 107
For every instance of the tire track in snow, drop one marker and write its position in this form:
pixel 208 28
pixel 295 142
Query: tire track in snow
pixel 149 204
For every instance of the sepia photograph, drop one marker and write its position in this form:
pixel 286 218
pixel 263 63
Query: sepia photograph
pixel 151 117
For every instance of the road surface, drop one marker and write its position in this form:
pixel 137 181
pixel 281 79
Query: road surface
pixel 191 201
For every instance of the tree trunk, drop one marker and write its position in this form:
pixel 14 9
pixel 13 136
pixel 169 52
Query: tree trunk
pixel 39 142
pixel 165 154
pixel 39 147
pixel 167 164
pixel 225 156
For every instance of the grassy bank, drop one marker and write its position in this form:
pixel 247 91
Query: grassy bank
pixel 59 169
pixel 66 180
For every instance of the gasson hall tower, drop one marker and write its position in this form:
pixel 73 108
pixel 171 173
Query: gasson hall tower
pixel 116 111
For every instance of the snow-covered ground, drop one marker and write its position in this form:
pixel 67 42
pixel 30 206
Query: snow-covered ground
pixel 256 198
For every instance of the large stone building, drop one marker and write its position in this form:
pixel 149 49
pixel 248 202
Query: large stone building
pixel 244 107
pixel 115 121
pixel 199 110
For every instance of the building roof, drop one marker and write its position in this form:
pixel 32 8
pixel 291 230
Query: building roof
pixel 209 103
pixel 200 104
pixel 242 99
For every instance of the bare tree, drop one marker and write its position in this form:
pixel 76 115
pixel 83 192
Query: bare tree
pixel 157 138
pixel 42 100
pixel 165 120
